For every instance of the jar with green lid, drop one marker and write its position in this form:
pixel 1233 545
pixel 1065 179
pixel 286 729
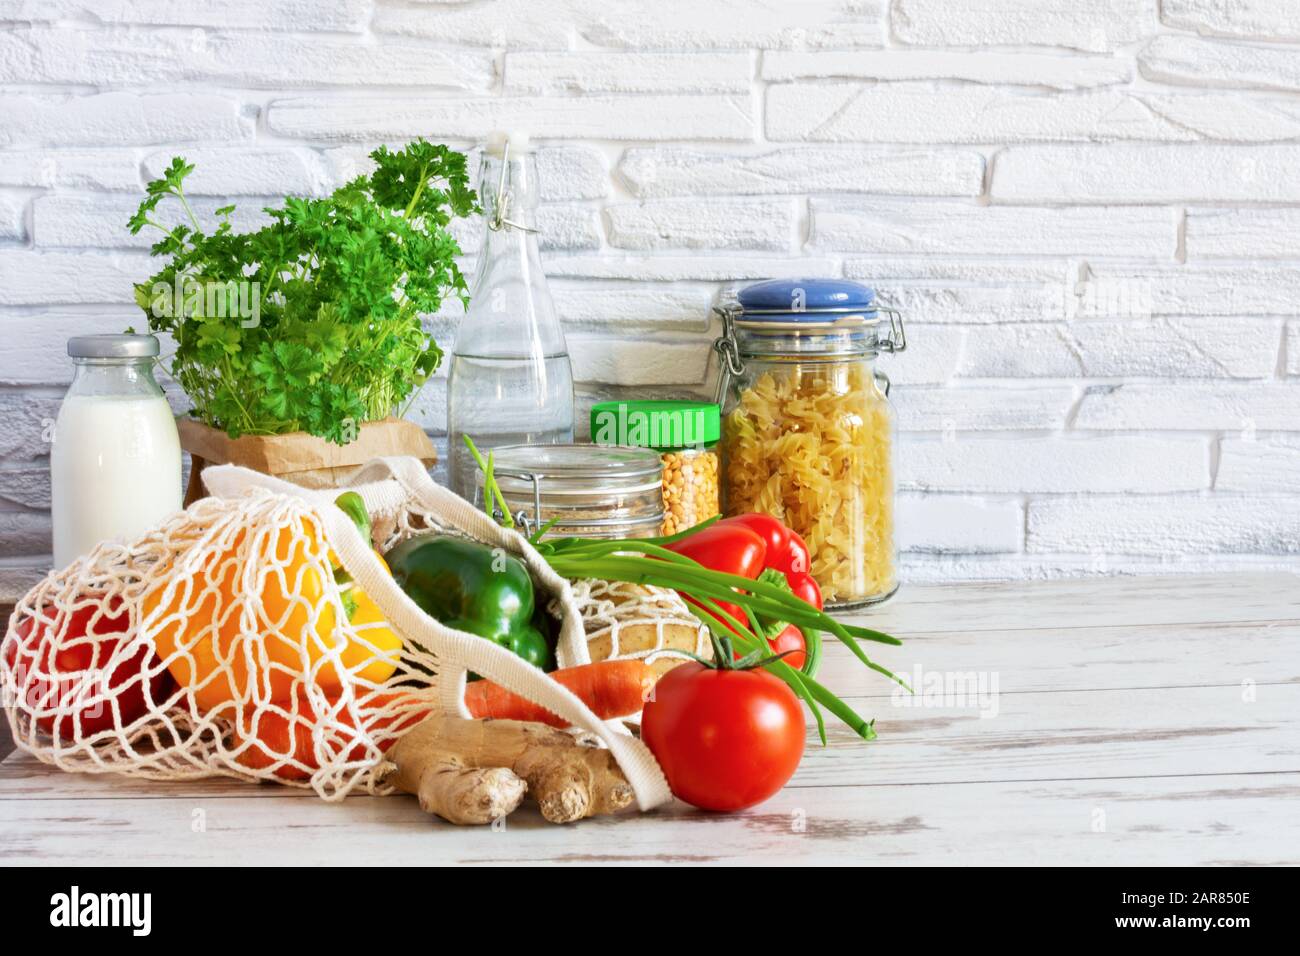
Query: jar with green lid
pixel 586 490
pixel 685 434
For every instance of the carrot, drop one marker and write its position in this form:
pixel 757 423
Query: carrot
pixel 609 688
pixel 278 741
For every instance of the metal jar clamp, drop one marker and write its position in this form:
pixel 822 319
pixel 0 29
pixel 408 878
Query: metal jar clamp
pixel 732 359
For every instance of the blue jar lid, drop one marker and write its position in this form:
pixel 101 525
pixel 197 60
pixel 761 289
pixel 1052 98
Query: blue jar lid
pixel 789 300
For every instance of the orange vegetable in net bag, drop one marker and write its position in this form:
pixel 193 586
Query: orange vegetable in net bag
pixel 257 619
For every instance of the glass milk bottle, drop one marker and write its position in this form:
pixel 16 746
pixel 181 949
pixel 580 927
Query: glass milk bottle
pixel 116 463
pixel 510 381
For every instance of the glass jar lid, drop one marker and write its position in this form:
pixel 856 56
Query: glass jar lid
pixel 661 425
pixel 575 470
pixel 611 490
pixel 800 317
pixel 805 300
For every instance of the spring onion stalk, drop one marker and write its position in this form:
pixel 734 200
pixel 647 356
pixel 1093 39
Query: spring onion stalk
pixel 683 574
pixel 795 678
pixel 573 547
pixel 491 490
pixel 723 624
pixel 699 581
pixel 646 561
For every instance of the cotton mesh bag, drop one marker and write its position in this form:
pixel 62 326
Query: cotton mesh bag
pixel 625 621
pixel 218 645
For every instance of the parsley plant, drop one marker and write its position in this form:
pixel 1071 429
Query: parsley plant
pixel 340 285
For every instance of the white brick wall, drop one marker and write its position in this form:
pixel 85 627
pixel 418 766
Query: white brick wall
pixel 1095 25
pixel 1089 211
pixel 1250 19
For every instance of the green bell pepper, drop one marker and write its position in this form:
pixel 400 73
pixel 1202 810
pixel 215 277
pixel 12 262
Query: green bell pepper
pixel 472 587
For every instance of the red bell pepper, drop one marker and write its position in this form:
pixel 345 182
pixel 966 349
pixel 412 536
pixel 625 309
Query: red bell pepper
pixel 805 586
pixel 790 642
pixel 752 545
pixel 782 636
pixel 732 549
pixel 786 550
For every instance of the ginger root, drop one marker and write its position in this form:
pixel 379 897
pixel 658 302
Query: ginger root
pixel 474 771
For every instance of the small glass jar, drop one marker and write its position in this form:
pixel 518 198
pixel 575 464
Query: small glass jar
pixel 685 436
pixel 807 428
pixel 115 469
pixel 589 491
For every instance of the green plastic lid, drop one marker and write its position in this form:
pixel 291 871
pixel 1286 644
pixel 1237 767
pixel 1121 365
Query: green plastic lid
pixel 661 425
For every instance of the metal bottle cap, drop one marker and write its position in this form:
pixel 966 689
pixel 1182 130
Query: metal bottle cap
pixel 113 346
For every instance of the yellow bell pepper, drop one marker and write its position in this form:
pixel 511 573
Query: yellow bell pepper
pixel 224 658
pixel 372 656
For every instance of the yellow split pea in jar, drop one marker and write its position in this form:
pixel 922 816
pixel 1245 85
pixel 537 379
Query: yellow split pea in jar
pixel 685 434
pixel 808 431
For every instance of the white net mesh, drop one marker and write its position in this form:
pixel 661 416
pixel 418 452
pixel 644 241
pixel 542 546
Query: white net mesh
pixel 623 620
pixel 219 644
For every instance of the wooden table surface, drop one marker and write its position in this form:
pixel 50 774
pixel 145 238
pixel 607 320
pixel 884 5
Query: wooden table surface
pixel 1135 721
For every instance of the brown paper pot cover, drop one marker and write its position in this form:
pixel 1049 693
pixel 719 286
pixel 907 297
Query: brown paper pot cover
pixel 299 457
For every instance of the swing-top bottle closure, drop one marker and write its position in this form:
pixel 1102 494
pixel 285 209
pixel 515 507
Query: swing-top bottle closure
pixel 501 145
pixel 510 379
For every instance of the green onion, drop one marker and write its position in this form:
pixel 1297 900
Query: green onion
pixel 646 561
pixel 491 490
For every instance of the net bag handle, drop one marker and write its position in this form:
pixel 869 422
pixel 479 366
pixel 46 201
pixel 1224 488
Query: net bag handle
pixel 390 483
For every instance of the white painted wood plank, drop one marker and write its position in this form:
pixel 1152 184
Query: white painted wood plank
pixel 1065 659
pixel 24 777
pixel 1090 602
pixel 1219 820
pixel 1187 772
pixel 1067 736
pixel 1032 736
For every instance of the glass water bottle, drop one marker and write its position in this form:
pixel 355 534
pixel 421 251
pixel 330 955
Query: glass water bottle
pixel 510 380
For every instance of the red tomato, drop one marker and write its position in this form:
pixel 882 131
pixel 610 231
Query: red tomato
pixel 726 739
pixel 50 677
pixel 786 551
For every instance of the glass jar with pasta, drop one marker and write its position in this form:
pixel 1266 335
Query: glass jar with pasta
pixel 807 428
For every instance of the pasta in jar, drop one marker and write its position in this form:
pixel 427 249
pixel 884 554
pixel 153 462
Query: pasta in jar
pixel 807 429
pixel 811 444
